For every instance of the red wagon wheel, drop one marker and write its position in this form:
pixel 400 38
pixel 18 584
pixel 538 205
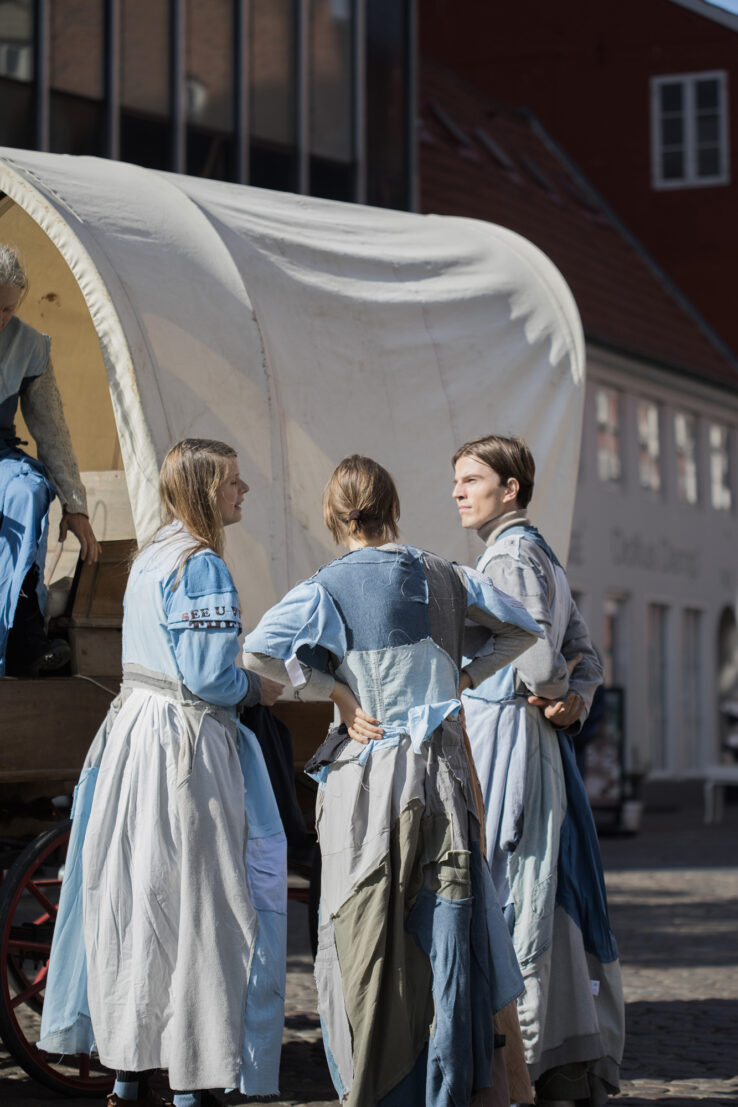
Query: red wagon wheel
pixel 29 899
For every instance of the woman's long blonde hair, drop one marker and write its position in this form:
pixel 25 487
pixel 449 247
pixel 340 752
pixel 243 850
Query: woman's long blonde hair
pixel 191 474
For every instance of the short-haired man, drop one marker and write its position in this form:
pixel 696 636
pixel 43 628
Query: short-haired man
pixel 541 840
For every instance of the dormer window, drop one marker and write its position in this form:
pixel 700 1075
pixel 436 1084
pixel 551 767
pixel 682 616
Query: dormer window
pixel 689 130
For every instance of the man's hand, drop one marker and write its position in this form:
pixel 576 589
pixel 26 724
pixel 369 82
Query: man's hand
pixel 79 524
pixel 361 727
pixel 270 691
pixel 562 713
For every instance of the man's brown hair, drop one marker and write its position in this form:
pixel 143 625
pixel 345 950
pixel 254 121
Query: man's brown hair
pixel 508 457
pixel 361 498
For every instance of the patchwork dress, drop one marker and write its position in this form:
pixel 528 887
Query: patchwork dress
pixel 541 840
pixel 170 945
pixel 27 485
pixel 414 955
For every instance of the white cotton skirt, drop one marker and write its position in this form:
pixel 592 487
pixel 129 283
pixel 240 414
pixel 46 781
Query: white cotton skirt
pixel 169 922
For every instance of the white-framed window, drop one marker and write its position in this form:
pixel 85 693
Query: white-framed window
pixel 649 460
pixel 685 444
pixel 720 493
pixel 689 130
pixel 607 405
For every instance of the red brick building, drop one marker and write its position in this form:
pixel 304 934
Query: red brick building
pixel 642 94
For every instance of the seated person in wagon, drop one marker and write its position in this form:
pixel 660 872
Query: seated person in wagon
pixel 28 486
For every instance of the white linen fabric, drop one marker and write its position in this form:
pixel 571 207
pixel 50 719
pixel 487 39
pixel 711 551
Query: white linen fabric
pixel 301 330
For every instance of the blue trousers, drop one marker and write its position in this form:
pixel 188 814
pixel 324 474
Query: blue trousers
pixel 25 496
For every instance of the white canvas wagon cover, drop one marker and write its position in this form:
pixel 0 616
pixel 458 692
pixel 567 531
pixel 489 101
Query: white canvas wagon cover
pixel 301 330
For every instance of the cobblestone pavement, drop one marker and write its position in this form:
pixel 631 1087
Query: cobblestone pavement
pixel 673 891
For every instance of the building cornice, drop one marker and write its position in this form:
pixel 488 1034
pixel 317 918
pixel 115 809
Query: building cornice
pixel 643 371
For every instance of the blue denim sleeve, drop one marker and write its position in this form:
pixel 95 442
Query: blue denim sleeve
pixel 204 620
pixel 305 624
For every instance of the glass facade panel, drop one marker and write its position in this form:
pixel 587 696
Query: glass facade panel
pixel 145 131
pixel 692 687
pixel 387 92
pixel 658 713
pixel 209 64
pixel 685 441
pixel 607 404
pixel 76 115
pixel 331 99
pixel 17 102
pixel 720 490
pixel 649 465
pixel 273 94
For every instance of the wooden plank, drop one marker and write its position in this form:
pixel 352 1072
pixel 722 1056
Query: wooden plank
pixel 100 586
pixel 97 651
pixel 48 725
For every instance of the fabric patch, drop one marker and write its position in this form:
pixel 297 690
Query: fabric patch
pixel 206 575
pixel 386 593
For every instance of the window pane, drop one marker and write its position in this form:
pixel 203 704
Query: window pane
pixel 145 132
pixel 209 88
pixel 649 471
pixel 720 491
pixel 707 94
pixel 76 74
pixel 708 129
pixel 685 437
pixel 656 627
pixel 615 646
pixel 387 93
pixel 672 96
pixel 331 99
pixel 672 165
pixel 272 65
pixel 17 118
pixel 272 69
pixel 672 130
pixel 608 434
pixel 708 163
pixel 692 711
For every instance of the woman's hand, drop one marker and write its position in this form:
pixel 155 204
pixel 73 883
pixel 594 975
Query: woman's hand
pixel 79 524
pixel 361 727
pixel 464 681
pixel 270 691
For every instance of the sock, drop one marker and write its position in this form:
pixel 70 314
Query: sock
pixel 186 1099
pixel 126 1085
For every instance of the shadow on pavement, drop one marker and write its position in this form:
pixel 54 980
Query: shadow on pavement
pixel 675 935
pixel 686 1040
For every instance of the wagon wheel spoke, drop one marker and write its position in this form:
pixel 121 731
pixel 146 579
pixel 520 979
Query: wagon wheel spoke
pixel 18 945
pixel 48 906
pixel 31 990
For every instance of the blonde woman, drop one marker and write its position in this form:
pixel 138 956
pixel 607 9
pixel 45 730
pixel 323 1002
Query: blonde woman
pixel 414 955
pixel 173 917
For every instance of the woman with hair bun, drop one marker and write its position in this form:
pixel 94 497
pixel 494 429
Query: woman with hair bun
pixel 177 861
pixel 27 485
pixel 413 955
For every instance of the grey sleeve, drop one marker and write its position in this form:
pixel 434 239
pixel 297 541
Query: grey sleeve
pixel 41 405
pixel 541 669
pixel 491 642
pixel 253 696
pixel 588 673
pixel 318 685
